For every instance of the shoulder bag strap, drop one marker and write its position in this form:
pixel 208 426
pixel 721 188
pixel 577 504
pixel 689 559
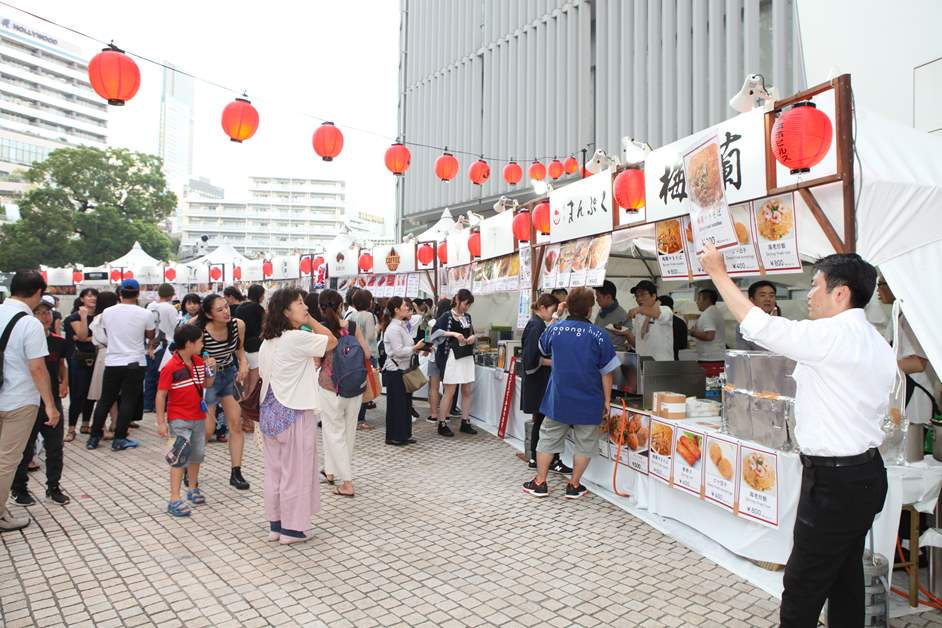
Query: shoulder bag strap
pixel 9 330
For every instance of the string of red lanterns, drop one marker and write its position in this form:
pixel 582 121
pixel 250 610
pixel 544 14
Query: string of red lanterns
pixel 240 119
pixel 555 169
pixel 479 172
pixel 398 158
pixel 541 217
pixel 446 166
pixel 521 226
pixel 628 189
pixel 114 76
pixel 327 141
pixel 537 171
pixel 474 244
pixel 513 173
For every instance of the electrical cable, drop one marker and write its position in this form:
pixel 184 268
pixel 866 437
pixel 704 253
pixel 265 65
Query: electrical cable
pixel 304 114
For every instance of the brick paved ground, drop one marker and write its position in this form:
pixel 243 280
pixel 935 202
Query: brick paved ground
pixel 438 535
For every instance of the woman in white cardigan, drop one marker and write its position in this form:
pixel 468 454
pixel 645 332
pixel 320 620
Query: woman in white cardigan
pixel 288 411
pixel 400 350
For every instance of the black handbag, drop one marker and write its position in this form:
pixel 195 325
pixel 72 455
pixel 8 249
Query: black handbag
pixel 462 351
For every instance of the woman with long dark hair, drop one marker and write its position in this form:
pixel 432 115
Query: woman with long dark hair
pixel 455 360
pixel 288 413
pixel 338 414
pixel 434 375
pixel 368 324
pixel 81 353
pixel 224 341
pixel 536 373
pixel 100 339
pixel 400 348
pixel 251 312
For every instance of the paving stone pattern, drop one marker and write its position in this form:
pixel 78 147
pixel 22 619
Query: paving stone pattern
pixel 439 534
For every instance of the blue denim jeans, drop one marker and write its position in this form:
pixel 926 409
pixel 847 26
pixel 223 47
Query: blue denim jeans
pixel 151 377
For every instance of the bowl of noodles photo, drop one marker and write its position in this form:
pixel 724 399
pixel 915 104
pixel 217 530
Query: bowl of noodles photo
pixel 775 219
pixel 668 237
pixel 705 176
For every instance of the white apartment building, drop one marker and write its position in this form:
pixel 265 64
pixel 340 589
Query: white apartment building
pixel 46 101
pixel 281 216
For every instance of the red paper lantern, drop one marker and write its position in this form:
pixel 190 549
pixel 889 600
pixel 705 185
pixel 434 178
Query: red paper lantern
pixel 474 244
pixel 555 169
pixel 115 275
pixel 114 75
pixel 237 273
pixel 442 253
pixel 268 268
pixel 521 226
pixel 537 171
pixel 77 276
pixel 629 189
pixel 305 265
pixel 541 217
pixel 571 165
pixel 327 141
pixel 513 173
pixel 240 120
pixel 170 274
pixel 479 172
pixel 446 166
pixel 425 254
pixel 215 273
pixel 398 158
pixel 128 275
pixel 366 263
pixel 801 137
pixel 318 261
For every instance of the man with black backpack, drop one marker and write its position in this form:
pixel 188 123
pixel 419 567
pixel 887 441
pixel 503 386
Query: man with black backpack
pixel 24 380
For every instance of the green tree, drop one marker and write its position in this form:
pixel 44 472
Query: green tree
pixel 89 205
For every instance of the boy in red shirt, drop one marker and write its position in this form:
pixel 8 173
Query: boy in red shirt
pixel 180 399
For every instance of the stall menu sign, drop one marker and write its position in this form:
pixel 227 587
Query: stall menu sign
pixel 662 449
pixel 775 231
pixel 583 208
pixel 742 259
pixel 525 278
pixel 634 452
pixel 550 267
pixel 399 288
pixel 343 262
pixel 722 467
pixel 599 250
pixel 580 260
pixel 396 258
pixel 412 285
pixel 709 212
pixel 497 235
pixel 693 259
pixel 758 485
pixel 741 144
pixel 671 253
pixel 251 270
pixel 688 461
pixel 524 308
pixel 567 254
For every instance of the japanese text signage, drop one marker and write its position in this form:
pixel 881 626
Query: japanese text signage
pixel 583 208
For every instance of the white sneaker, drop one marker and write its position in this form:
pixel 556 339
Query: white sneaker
pixel 9 523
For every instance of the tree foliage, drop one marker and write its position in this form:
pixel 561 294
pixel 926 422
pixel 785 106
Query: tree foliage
pixel 88 205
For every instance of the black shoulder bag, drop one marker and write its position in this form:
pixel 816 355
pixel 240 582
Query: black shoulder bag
pixel 6 338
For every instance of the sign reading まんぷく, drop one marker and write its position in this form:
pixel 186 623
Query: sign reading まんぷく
pixel 583 208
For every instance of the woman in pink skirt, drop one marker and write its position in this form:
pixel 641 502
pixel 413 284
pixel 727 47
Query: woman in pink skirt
pixel 288 414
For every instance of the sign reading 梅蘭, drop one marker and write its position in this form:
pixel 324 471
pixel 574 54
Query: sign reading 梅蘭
pixel 583 208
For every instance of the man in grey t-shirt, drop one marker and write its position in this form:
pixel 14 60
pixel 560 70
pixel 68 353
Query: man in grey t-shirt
pixel 610 313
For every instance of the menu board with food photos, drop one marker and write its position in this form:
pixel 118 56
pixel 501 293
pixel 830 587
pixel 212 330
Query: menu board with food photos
pixel 634 450
pixel 661 451
pixel 688 461
pixel 567 254
pixel 459 277
pixel 599 250
pixel 720 477
pixel 775 230
pixel 758 485
pixel 671 254
pixel 709 212
pixel 580 260
pixel 693 259
pixel 549 267
pixel 742 259
pixel 412 285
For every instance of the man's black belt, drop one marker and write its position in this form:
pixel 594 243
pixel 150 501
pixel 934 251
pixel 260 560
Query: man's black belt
pixel 839 461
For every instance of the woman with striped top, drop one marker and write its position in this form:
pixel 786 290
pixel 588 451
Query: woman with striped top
pixel 223 340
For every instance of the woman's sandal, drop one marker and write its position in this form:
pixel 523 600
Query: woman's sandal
pixel 327 478
pixel 70 436
pixel 364 427
pixel 337 492
pixel 85 429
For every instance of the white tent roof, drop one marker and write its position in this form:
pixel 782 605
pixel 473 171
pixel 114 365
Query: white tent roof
pixel 222 254
pixel 438 231
pixel 135 258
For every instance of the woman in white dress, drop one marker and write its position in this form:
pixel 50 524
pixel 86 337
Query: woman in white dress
pixel 100 339
pixel 455 360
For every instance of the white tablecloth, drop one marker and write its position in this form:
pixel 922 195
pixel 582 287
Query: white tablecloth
pixel 916 484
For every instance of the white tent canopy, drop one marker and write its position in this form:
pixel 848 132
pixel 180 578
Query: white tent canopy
pixel 135 258
pixel 438 231
pixel 222 254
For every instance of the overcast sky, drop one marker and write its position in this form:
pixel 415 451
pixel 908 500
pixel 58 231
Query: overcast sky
pixel 337 60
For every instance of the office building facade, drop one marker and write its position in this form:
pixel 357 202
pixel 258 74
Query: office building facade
pixel 175 140
pixel 526 80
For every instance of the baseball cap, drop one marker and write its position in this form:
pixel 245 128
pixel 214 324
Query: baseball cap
pixel 48 301
pixel 131 285
pixel 647 286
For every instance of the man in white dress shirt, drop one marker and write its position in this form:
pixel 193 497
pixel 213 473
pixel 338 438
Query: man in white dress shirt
pixel 652 324
pixel 845 374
